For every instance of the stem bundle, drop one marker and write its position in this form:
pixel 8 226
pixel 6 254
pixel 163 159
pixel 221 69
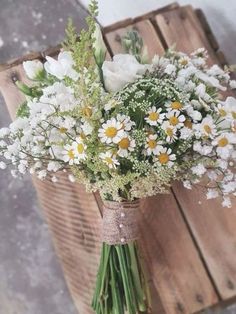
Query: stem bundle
pixel 121 283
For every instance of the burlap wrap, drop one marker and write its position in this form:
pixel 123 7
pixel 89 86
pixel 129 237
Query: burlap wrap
pixel 120 222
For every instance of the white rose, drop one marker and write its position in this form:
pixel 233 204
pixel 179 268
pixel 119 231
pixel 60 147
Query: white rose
pixel 32 68
pixel 122 70
pixel 63 67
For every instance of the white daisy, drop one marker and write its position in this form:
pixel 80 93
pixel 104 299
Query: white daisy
pixel 155 116
pixel 175 118
pixel 206 128
pixel 126 145
pixel 68 154
pixel 111 131
pixel 153 145
pixel 229 108
pixel 79 149
pixel 109 159
pixel 170 132
pixel 125 121
pixel 224 144
pixel 165 157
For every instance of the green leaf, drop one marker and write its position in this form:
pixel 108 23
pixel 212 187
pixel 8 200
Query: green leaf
pixel 23 111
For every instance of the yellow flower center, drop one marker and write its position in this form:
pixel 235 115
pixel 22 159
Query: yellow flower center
pixel 184 62
pixel 111 131
pixel 63 130
pixel 223 142
pixel 153 116
pixel 80 148
pixel 109 160
pixel 163 158
pixel 188 124
pixel 234 114
pixel 207 129
pixel 174 120
pixel 176 105
pixel 82 135
pixel 71 154
pixel 152 143
pixel 169 132
pixel 124 143
pixel 222 112
pixel 87 111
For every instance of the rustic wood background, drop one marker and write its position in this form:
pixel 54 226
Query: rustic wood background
pixel 189 243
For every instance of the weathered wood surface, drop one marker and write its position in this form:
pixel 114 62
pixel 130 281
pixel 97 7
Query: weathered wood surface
pixel 189 248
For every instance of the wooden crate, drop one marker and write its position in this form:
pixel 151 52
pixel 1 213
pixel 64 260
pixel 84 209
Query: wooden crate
pixel 189 243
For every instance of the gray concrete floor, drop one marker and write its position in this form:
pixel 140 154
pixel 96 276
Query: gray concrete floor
pixel 31 280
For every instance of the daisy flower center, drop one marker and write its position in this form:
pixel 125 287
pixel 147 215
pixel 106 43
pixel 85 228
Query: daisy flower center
pixel 174 120
pixel 188 124
pixel 63 130
pixel 80 148
pixel 71 154
pixel 176 105
pixel 163 158
pixel 111 132
pixel 184 62
pixel 153 116
pixel 169 132
pixel 124 143
pixel 223 142
pixel 109 160
pixel 87 111
pixel 152 143
pixel 222 112
pixel 207 129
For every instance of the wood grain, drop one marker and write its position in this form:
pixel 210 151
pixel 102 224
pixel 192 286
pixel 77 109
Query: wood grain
pixel 182 29
pixel 213 226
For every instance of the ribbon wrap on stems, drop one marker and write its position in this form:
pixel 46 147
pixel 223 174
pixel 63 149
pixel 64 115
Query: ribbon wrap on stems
pixel 120 222
pixel 121 286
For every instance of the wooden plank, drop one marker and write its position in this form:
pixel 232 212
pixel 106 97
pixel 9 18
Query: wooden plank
pixel 213 227
pixel 181 27
pixel 177 271
pixel 145 30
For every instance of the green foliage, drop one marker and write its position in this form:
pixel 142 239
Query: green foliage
pixel 23 110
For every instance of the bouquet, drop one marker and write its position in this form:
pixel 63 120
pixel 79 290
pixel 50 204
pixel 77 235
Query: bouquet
pixel 128 129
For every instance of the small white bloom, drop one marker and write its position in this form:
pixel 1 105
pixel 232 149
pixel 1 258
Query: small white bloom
pixel 170 69
pixel 153 145
pixel 42 174
pixel 54 179
pixel 212 193
pixel 170 131
pixel 71 178
pixel 232 84
pixel 2 165
pixel 204 150
pixel 63 67
pixel 199 170
pixel 155 116
pixel 175 118
pixel 4 132
pixel 186 133
pixel 194 114
pixel 224 144
pixel 111 131
pixel 122 70
pixel 126 122
pixel 109 159
pixel 79 149
pixel 227 202
pixel 32 68
pixel 87 128
pixel 69 154
pixel 187 184
pixel 165 157
pixel 206 128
